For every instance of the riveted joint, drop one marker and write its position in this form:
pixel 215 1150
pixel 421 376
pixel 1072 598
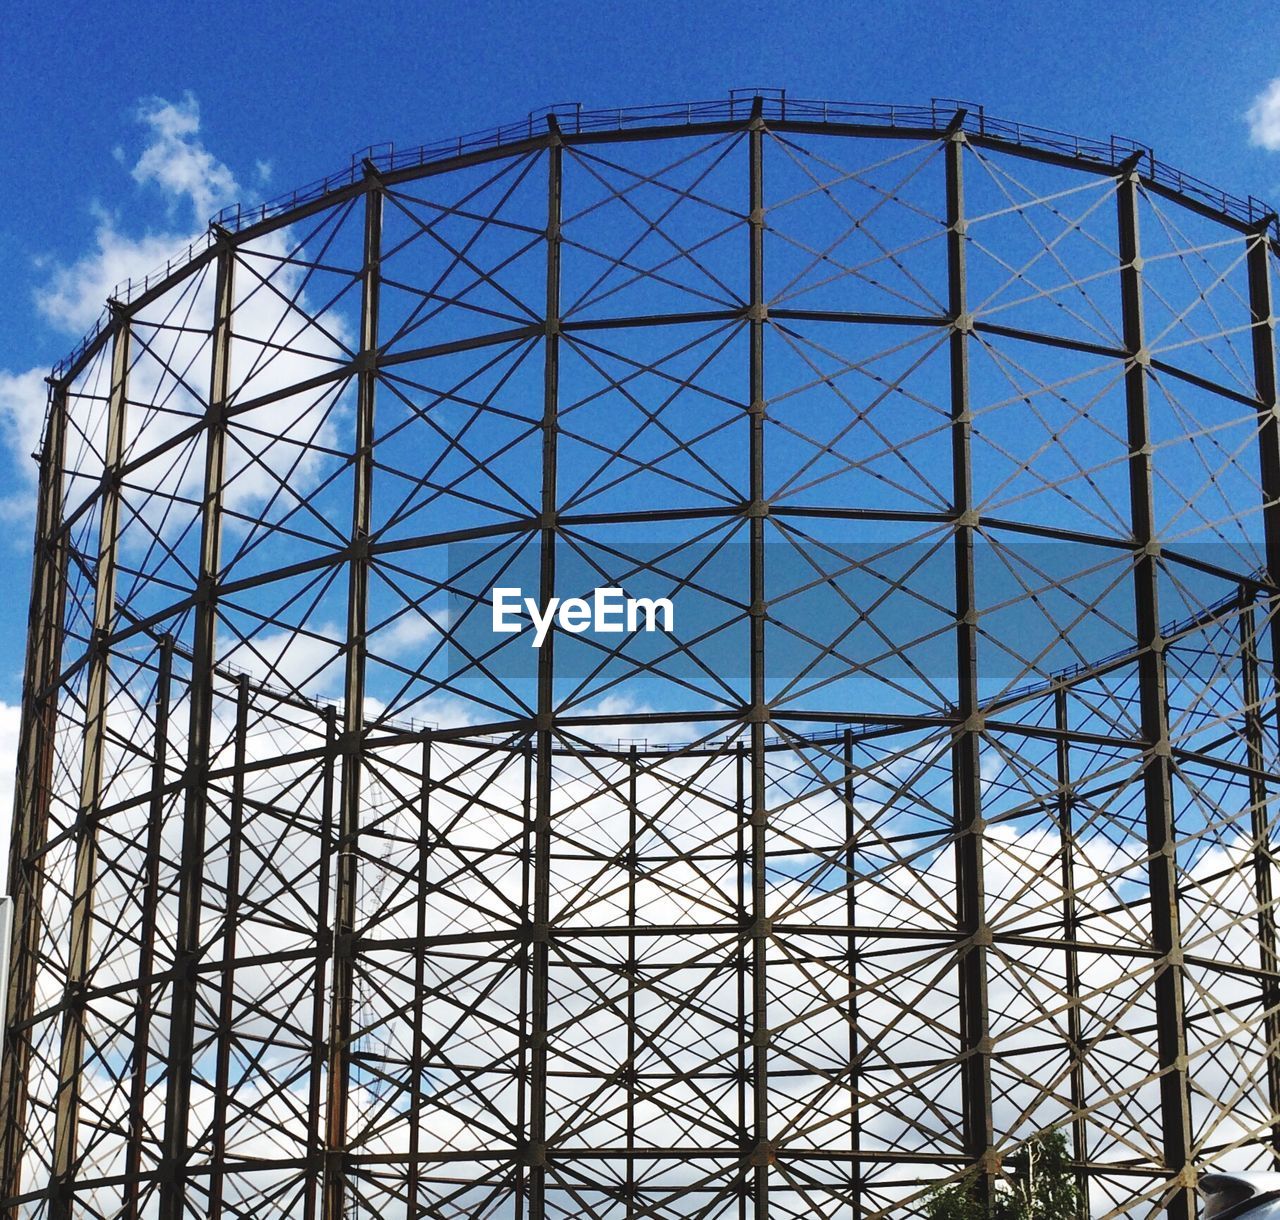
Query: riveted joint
pixel 990 1161
pixel 351 741
pixel 1127 170
pixel 534 1156
pixel 1262 226
pixel 185 968
pixel 764 1153
pixel 336 1162
pixel 345 944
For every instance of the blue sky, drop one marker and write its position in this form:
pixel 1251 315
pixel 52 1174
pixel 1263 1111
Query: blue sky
pixel 102 177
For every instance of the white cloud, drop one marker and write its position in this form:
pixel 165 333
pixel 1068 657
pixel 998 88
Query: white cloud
pixel 178 162
pixel 71 299
pixel 9 717
pixel 74 295
pixel 22 405
pixel 907 1004
pixel 309 662
pixel 1263 117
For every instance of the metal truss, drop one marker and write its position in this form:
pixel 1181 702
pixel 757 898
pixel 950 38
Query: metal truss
pixel 950 823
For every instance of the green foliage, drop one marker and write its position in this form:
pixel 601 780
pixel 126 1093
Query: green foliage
pixel 1054 1195
pixel 1047 1192
pixel 954 1202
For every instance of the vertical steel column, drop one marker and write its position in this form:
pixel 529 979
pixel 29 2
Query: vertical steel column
pixel 1262 864
pixel 324 951
pixel 742 858
pixel 353 726
pixel 1264 371
pixel 417 1069
pixel 36 752
pixel 1157 764
pixel 535 1151
pixel 1070 935
pixel 762 1152
pixel 226 984
pixel 523 966
pixel 975 936
pixel 147 939
pixel 851 965
pixel 188 950
pixel 97 698
pixel 631 1078
pixel 1262 333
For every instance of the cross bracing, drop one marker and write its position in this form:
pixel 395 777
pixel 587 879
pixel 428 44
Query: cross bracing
pixel 946 821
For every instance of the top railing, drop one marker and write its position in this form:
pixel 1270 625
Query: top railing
pixel 939 116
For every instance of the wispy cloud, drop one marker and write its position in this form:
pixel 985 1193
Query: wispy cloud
pixel 190 179
pixel 10 715
pixel 178 162
pixel 22 403
pixel 1263 117
pixel 73 296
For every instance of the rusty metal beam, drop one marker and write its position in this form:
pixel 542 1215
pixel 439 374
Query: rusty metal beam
pixel 532 1149
pixel 92 777
pixel 350 806
pixel 204 654
pixel 1157 767
pixel 975 1034
pixel 35 768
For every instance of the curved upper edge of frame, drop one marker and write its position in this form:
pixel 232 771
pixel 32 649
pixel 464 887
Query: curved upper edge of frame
pixel 942 117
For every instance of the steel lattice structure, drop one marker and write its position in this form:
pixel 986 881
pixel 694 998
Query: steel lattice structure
pixel 950 823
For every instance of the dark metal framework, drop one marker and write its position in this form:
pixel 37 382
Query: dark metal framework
pixel 951 823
